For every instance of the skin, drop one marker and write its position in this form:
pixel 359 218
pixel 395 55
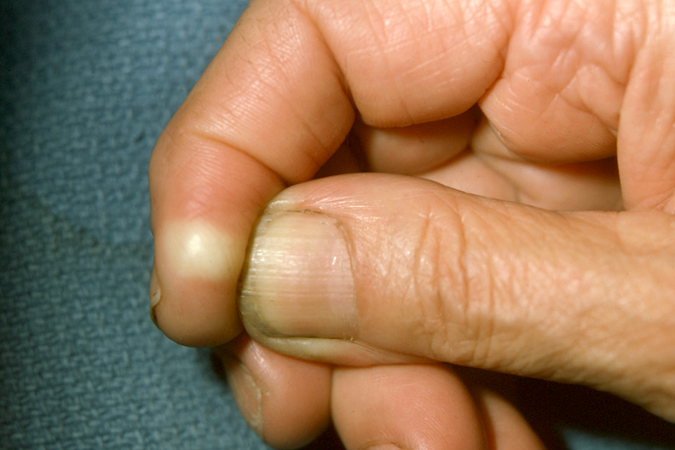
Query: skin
pixel 553 118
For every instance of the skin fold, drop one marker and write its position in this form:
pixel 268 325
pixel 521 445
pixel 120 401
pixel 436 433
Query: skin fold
pixel 531 210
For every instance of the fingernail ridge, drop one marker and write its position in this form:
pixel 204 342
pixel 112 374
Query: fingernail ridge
pixel 299 280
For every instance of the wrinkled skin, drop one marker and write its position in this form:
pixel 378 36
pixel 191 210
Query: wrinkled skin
pixel 554 118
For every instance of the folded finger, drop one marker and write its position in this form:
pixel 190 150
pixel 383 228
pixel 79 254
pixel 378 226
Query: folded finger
pixel 400 268
pixel 286 401
pixel 405 407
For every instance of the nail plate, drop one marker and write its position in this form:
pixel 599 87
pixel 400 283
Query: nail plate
pixel 299 281
pixel 155 294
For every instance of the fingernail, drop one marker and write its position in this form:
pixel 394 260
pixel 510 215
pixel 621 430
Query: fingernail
pixel 246 391
pixel 299 279
pixel 155 294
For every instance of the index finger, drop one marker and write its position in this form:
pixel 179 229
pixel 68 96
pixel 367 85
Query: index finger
pixel 272 107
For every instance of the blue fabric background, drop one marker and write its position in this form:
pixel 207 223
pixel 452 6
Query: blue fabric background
pixel 85 89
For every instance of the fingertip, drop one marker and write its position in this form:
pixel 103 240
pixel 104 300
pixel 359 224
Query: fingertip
pixel 408 406
pixel 286 401
pixel 194 283
pixel 246 389
pixel 507 428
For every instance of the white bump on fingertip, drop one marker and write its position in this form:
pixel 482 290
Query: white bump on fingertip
pixel 199 249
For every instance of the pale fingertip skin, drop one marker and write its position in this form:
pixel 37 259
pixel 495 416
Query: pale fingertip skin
pixel 242 134
pixel 197 273
pixel 198 249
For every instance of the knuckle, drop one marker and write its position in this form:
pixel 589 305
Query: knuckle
pixel 456 294
pixel 441 286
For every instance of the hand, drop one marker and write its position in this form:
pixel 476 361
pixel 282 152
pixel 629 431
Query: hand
pixel 561 89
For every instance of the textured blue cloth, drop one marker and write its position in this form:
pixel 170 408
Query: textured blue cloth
pixel 85 89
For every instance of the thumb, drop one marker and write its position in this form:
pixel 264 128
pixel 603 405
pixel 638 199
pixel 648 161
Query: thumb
pixel 368 269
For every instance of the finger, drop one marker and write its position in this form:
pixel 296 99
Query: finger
pixel 269 110
pixel 584 185
pixel 506 428
pixel 579 74
pixel 406 407
pixel 570 187
pixel 415 149
pixel 286 401
pixel 559 96
pixel 423 406
pixel 447 152
pixel 646 146
pixel 469 173
pixel 373 268
pixel 277 100
pixel 343 161
pixel 272 107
